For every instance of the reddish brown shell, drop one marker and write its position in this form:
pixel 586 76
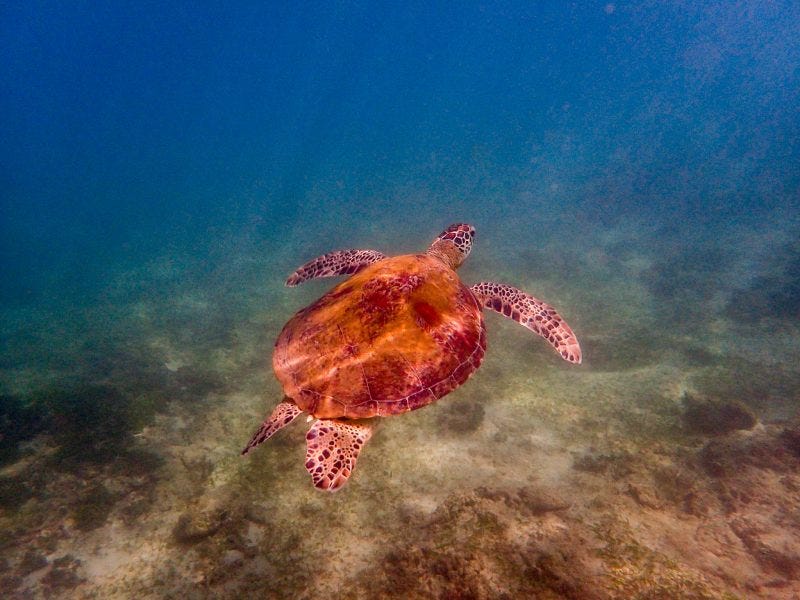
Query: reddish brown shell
pixel 396 336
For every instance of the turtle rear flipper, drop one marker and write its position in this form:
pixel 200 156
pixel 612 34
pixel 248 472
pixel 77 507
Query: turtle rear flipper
pixel 339 262
pixel 332 448
pixel 532 313
pixel 283 414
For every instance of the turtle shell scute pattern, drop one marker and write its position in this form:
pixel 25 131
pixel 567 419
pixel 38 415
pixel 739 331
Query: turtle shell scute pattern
pixel 396 336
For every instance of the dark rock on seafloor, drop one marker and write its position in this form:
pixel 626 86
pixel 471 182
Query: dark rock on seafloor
pixel 791 438
pixel 64 574
pixel 773 556
pixel 774 449
pixel 617 464
pixel 32 560
pixel 14 492
pixel 460 417
pixel 529 501
pixel 711 416
pixel 193 527
pixel 19 421
pixel 94 507
pixel 643 496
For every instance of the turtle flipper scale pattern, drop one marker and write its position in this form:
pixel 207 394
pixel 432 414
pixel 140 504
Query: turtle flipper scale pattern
pixel 332 448
pixel 339 262
pixel 539 317
pixel 281 416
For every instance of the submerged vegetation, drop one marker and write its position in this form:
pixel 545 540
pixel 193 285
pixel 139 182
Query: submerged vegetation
pixel 774 294
pixel 144 439
pixel 20 420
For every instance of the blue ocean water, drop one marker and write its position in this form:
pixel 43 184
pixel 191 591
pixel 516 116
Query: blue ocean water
pixel 164 168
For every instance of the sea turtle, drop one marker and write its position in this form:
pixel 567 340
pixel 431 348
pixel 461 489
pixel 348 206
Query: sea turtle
pixel 399 334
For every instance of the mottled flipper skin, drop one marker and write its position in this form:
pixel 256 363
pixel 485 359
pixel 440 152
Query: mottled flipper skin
pixel 532 313
pixel 284 413
pixel 340 262
pixel 332 448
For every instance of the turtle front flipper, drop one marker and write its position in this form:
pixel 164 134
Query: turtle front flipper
pixel 332 448
pixel 340 262
pixel 532 313
pixel 281 416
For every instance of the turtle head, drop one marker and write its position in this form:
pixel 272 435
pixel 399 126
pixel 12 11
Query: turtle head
pixel 452 246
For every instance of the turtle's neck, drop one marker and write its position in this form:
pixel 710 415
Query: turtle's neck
pixel 447 252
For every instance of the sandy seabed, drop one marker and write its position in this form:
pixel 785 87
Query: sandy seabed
pixel 666 466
